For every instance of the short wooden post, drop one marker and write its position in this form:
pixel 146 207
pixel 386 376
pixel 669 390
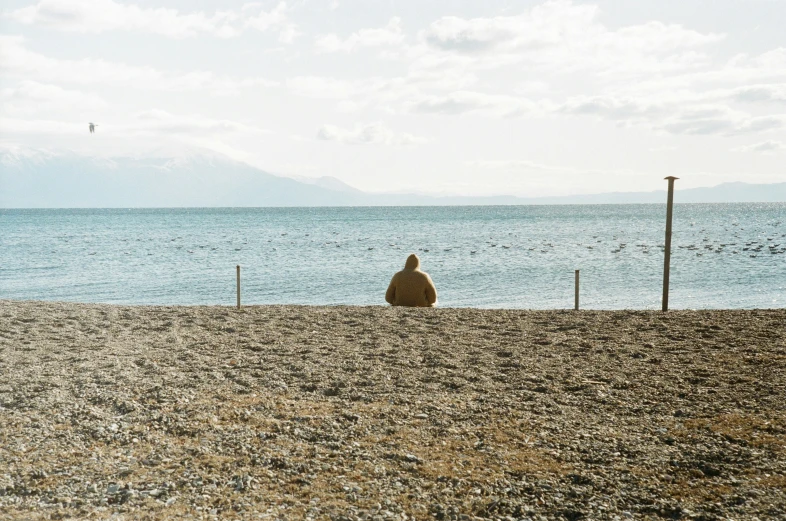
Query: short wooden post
pixel 238 286
pixel 576 300
pixel 667 250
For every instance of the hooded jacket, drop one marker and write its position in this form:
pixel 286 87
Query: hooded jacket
pixel 411 287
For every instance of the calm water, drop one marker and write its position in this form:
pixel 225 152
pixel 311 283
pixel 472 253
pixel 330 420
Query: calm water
pixel 724 255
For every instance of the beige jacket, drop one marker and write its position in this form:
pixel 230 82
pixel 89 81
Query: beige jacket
pixel 411 287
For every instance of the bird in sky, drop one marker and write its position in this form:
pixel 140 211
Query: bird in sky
pixel 92 126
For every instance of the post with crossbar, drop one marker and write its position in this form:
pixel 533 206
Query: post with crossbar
pixel 238 286
pixel 667 250
pixel 576 299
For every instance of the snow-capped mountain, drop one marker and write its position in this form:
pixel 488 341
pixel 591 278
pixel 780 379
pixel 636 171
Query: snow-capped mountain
pixel 45 179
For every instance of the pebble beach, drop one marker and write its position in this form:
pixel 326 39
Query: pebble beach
pixel 350 413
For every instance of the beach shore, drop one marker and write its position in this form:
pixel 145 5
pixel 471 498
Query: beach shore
pixel 294 412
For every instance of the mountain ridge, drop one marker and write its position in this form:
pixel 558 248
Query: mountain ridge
pixel 67 180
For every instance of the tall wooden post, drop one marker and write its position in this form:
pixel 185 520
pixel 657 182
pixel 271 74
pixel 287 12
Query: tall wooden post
pixel 576 300
pixel 667 251
pixel 238 286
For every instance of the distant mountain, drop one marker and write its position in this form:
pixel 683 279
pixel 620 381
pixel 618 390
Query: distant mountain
pixel 39 179
pixel 68 180
pixel 723 193
pixel 329 182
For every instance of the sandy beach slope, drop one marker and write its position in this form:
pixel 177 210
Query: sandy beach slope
pixel 290 412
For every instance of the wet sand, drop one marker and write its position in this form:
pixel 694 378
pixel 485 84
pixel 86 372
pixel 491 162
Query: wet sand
pixel 292 412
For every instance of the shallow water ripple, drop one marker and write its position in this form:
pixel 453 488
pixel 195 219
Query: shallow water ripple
pixel 724 255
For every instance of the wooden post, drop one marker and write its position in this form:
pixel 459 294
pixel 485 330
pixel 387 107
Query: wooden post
pixel 667 251
pixel 576 300
pixel 238 286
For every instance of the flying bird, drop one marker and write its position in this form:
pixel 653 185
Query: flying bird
pixel 92 126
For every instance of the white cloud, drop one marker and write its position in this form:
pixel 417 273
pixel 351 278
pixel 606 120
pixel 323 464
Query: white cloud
pixel 766 68
pixel 350 106
pixel 450 66
pixel 97 16
pixel 681 115
pixel 544 26
pixel 461 102
pixel 152 122
pixel 720 121
pixel 40 127
pixel 760 93
pixel 391 34
pixel 322 87
pixel 289 33
pixel 562 69
pixel 18 61
pixel 764 147
pixel 377 90
pixel 703 121
pixel 648 73
pixel 519 164
pixel 371 134
pixel 773 60
pixel 33 97
pixel 264 20
pixel 161 121
pixel 560 35
pixel 760 124
pixel 611 107
pixel 409 94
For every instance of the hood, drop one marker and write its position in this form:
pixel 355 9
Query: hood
pixel 413 262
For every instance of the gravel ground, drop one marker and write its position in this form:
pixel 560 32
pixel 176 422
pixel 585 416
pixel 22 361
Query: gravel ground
pixel 292 412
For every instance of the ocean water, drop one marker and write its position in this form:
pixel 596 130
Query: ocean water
pixel 723 255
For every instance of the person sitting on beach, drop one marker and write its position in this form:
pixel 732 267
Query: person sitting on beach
pixel 412 287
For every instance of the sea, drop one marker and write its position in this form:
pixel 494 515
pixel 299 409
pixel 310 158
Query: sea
pixel 522 257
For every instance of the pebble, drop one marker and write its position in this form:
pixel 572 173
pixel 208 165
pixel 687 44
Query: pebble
pixel 447 414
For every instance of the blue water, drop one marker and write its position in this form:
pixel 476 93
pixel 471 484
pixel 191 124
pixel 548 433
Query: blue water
pixel 489 257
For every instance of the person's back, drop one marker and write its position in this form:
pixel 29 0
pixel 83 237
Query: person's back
pixel 411 287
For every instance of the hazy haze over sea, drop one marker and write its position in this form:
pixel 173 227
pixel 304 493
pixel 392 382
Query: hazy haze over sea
pixel 724 255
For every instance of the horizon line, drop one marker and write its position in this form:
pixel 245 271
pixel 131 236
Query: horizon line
pixel 371 206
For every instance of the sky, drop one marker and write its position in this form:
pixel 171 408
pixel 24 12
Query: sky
pixel 529 98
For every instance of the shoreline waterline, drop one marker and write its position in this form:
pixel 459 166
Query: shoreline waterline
pixel 377 306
